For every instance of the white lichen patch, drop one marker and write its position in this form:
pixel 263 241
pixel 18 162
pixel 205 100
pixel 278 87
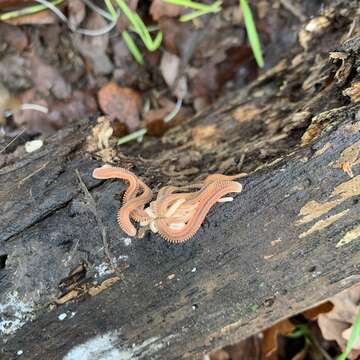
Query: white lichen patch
pixel 100 347
pixel 14 313
pixel 103 269
pixel 62 316
pixel 31 146
pixel 127 241
pixel 106 347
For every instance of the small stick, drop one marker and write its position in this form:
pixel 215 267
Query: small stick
pixel 92 207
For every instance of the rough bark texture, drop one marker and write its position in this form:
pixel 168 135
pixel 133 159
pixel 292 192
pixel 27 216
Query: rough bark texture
pixel 272 252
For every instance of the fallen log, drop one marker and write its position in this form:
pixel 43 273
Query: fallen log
pixel 287 242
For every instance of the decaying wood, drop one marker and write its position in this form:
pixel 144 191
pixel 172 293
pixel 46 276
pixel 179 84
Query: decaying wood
pixel 288 241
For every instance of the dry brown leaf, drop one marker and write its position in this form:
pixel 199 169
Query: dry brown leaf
pixel 76 12
pixel 60 112
pixel 346 335
pixel 13 36
pixel 159 9
pixel 270 341
pixel 95 290
pixel 123 21
pixel 47 79
pixel 154 121
pixel 312 314
pixel 244 350
pixel 121 103
pixel 6 5
pixel 41 18
pixel 94 48
pixel 337 322
pixel 169 67
pixel 175 33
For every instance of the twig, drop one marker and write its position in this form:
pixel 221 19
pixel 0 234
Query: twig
pixel 320 348
pixel 33 173
pixel 92 206
pixel 241 162
pixel 17 136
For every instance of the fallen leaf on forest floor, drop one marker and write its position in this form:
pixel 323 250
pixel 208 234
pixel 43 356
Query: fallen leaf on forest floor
pixel 8 102
pixel 170 67
pixel 313 313
pixel 94 48
pixel 337 323
pixel 13 36
pixel 60 112
pixel 47 79
pixel 76 12
pixel 159 9
pixel 123 22
pixel 270 341
pixel 247 349
pixel 45 17
pixel 154 119
pixel 176 34
pixel 121 103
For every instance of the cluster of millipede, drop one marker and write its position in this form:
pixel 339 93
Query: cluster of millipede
pixel 175 214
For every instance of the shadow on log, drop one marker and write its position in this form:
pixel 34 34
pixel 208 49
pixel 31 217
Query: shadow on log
pixel 287 242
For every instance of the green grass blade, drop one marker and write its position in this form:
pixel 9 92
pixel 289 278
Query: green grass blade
pixel 189 4
pixel 111 9
pixel 252 33
pixel 213 8
pixel 133 136
pixel 135 52
pixel 27 10
pixel 353 337
pixel 140 27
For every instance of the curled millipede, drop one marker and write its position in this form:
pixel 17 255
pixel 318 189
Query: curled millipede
pixel 176 215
